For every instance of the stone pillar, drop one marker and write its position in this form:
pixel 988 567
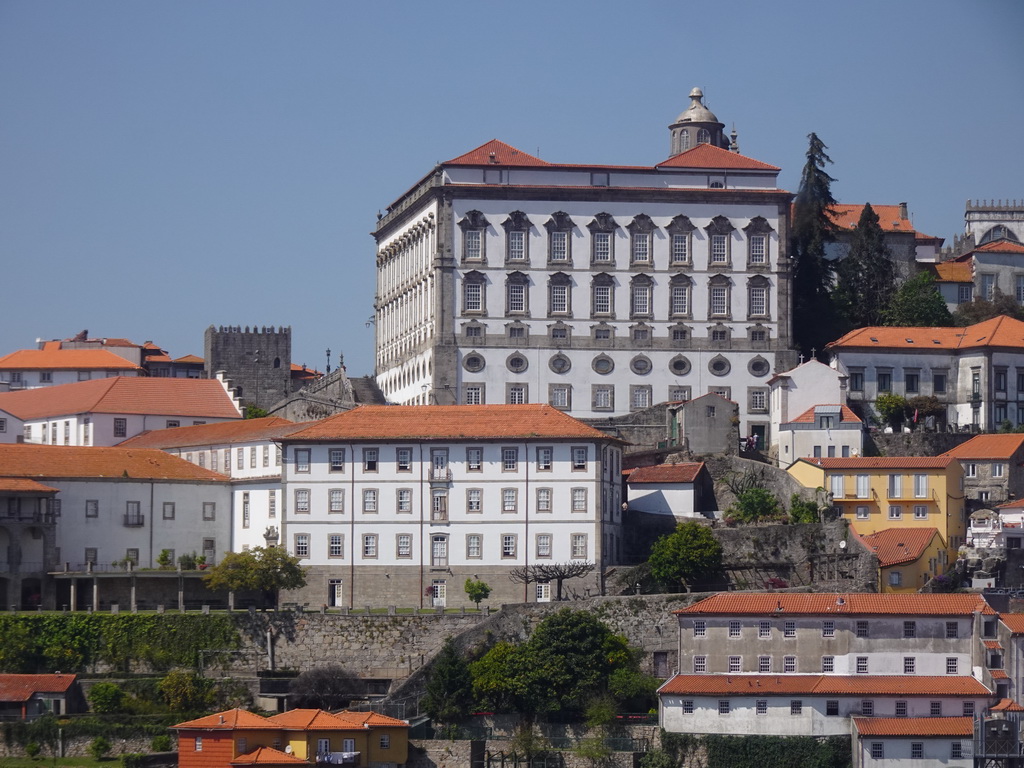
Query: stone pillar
pixel 74 594
pixel 181 592
pixel 95 593
pixel 134 602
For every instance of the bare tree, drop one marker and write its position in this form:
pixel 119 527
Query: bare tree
pixel 546 573
pixel 328 687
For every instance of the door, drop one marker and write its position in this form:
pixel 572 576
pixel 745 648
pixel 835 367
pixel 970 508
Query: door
pixel 439 551
pixel 438 591
pixel 439 464
pixel 335 593
pixel 323 748
pixel 348 745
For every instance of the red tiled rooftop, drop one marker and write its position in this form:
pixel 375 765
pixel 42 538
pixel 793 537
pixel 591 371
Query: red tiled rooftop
pixel 121 394
pixel 999 674
pixel 23 485
pixel 59 461
pixel 1013 622
pixel 504 154
pixel 267 756
pixel 223 432
pixel 880 462
pixel 21 687
pixel 228 720
pixel 996 446
pixel 854 685
pixel 850 603
pixel 190 359
pixel 1002 331
pixel 371 719
pixel 954 272
pixel 915 726
pixel 684 472
pixel 449 422
pixel 312 720
pixel 807 417
pixel 992 645
pixel 56 359
pixel 1000 246
pixel 893 546
pixel 847 215
pixel 1007 705
pixel 708 156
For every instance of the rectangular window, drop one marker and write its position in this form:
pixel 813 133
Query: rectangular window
pixel 474 546
pixel 602 300
pixel 734 628
pixel 764 664
pixel 558 396
pixel 828 664
pixel 199 743
pixel 337 459
pixel 209 510
pixel 895 578
pixel 92 509
pixel 336 501
pixel 789 664
pixel 828 628
pixel 862 665
pixel 168 510
pixel 920 486
pixel 403 545
pixel 758 250
pixel 920 512
pixel 863 513
pixel 862 628
pixel 735 664
pixel 832 708
pixel 543 545
pixel 935 709
pixel 266 456
pixel 403 459
pixel 474 499
pixel 510 459
pixel 680 300
pixel 856 381
pixel 968 709
pixel 700 665
pixel 517 394
pixel 719 300
pixel 895 512
pixel 877 750
pixel 579 546
pixel 579 458
pixel 901 709
pixel 640 300
pixel 952 630
pixel 403 500
pixel 764 629
pixel 700 628
pixel 508 545
pixel 544 459
pixel 909 665
pixel 120 427
pixel 884 381
pixel 473 242
pixel 761 707
pixel 757 304
pixel 796 707
pixel 719 249
pixel 246 510
pixel 602 242
pixel 369 546
pixel 688 707
pixel 516 240
pixel 641 248
pixel 370 457
pixel 336 545
pixel 951 665
pixel 639 396
pixel 543 499
pixel 680 249
pixel 515 298
pixel 604 397
pixel 302 545
pixel 302 501
pixel 370 500
pixel 956 750
pixel 272 505
pixel 939 383
pixel 997 470
pixel 867 708
pixel 252 458
pixel 558 245
pixel 509 500
pixel 909 629
pixel 789 628
pixel 558 299
pixel 723 707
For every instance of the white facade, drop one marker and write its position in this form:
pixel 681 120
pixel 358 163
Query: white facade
pixel 675 499
pixel 33 379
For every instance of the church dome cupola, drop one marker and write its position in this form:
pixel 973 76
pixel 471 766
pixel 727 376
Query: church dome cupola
pixel 696 125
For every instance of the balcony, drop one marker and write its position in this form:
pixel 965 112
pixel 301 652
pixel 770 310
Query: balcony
pixel 134 520
pixel 440 475
pixel 350 759
pixel 439 515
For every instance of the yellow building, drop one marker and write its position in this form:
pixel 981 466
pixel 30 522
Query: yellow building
pixel 908 558
pixel 893 492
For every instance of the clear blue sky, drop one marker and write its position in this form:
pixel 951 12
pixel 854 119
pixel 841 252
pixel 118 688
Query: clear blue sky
pixel 171 164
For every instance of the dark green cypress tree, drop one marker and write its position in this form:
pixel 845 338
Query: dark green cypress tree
pixel 815 321
pixel 449 688
pixel 866 278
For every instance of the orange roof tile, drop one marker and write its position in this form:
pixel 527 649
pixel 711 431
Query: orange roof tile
pixel 847 215
pixel 999 674
pixel 120 394
pixel 1002 331
pixel 449 422
pixel 228 720
pixel 954 272
pixel 915 726
pixel 807 417
pixel 995 446
pixel 708 156
pixel 223 432
pixel 1013 622
pixel 850 603
pixel 57 359
pixel 684 472
pixel 992 645
pixel 504 154
pixel 894 546
pixel 22 687
pixel 1007 705
pixel 190 359
pixel 1000 246
pixel 23 485
pixel 313 720
pixel 857 685
pixel 880 462
pixel 59 461
pixel 267 756
pixel 372 719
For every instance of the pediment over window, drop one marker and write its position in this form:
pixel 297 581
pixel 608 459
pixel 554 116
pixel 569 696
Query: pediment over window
pixel 473 220
pixel 603 278
pixel 560 278
pixel 680 225
pixel 758 226
pixel 641 223
pixel 560 221
pixel 516 220
pixel 719 225
pixel 603 222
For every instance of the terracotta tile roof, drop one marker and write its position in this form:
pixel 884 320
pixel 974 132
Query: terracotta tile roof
pixel 854 685
pixel 954 272
pixel 1002 331
pixel 1000 246
pixel 1013 622
pixel 915 726
pixel 23 485
pixel 1007 705
pixel 59 461
pixel 807 417
pixel 372 719
pixel 846 216
pixel 21 687
pixel 120 394
pixel 504 154
pixel 992 645
pixel 894 546
pixel 229 720
pixel 267 756
pixel 850 603
pixel 995 446
pixel 190 359
pixel 685 472
pixel 449 422
pixel 708 156
pixel 48 359
pixel 999 674
pixel 162 358
pixel 313 720
pixel 223 432
pixel 880 462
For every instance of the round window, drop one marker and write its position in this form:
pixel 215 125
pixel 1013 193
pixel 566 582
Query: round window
pixel 603 364
pixel 560 364
pixel 679 365
pixel 640 365
pixel 759 366
pixel 473 362
pixel 517 363
pixel 719 366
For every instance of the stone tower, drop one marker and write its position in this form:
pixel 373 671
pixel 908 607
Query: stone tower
pixel 256 362
pixel 697 125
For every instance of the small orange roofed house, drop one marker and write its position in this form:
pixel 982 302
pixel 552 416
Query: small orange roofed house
pixel 52 365
pixel 908 558
pixel 26 697
pixel 297 737
pixel 992 467
pixel 901 492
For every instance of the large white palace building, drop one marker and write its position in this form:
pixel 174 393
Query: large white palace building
pixel 598 289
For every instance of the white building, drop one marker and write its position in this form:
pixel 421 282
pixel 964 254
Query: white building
pixel 108 411
pixel 976 372
pixel 51 365
pixel 897 742
pixel 996 266
pixel 248 451
pixel 599 289
pixel 677 490
pixel 394 505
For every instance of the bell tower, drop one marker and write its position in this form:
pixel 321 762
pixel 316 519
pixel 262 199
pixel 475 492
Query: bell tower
pixel 697 125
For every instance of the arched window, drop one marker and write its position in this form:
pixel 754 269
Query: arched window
pixel 277 362
pixel 703 136
pixel 684 141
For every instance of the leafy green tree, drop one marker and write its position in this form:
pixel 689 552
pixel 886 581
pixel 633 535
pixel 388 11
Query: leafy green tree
pixel 17 651
pixel 802 511
pixel 892 408
pixel 865 279
pixel 689 553
pixel 449 690
pixel 918 304
pixel 100 747
pixel 186 692
pixel 165 560
pixel 477 590
pixel 921 407
pixel 252 412
pixel 754 505
pixel 815 320
pixel 980 309
pixel 161 743
pixel 267 570
pixel 107 698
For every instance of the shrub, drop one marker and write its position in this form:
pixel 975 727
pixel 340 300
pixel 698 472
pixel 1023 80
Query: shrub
pixel 106 699
pixel 161 743
pixel 99 747
pixel 32 749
